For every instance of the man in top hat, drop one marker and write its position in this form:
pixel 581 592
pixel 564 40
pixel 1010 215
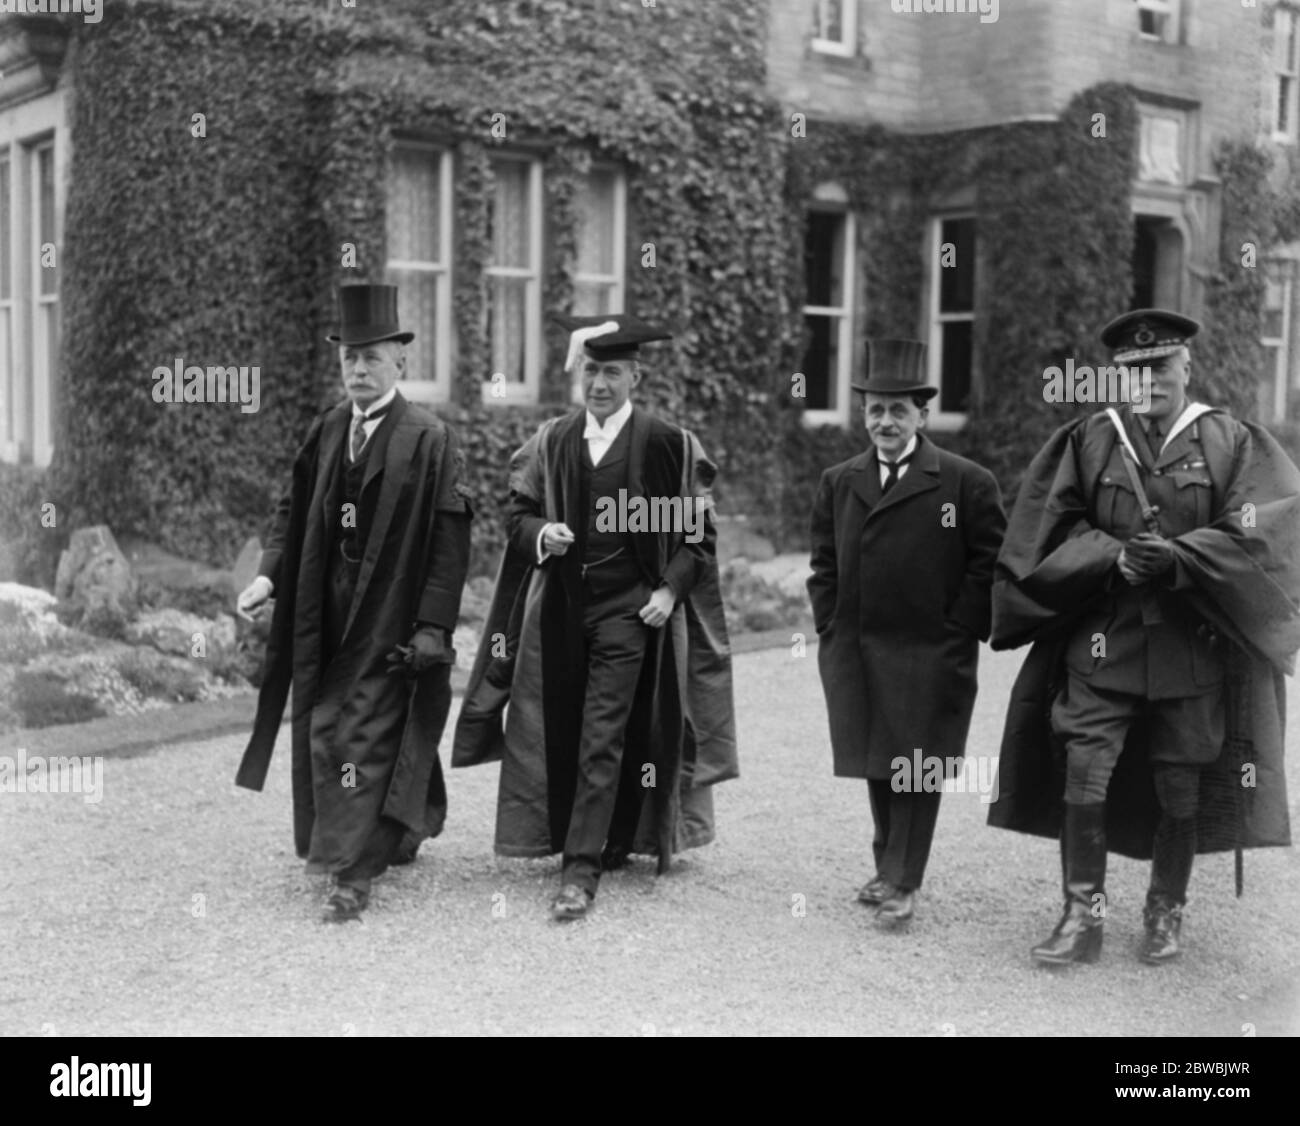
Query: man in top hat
pixel 366 561
pixel 611 646
pixel 1152 558
pixel 903 542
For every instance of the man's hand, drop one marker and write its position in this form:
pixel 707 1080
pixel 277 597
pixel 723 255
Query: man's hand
pixel 1125 565
pixel 660 607
pixel 427 647
pixel 1150 555
pixel 556 539
pixel 253 596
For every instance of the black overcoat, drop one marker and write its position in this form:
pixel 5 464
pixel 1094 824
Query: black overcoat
pixel 365 741
pixel 900 599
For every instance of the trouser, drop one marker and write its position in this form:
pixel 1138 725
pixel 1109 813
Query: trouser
pixel 1184 734
pixel 904 831
pixel 615 641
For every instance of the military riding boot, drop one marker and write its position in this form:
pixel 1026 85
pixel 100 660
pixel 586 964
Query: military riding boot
pixel 1172 855
pixel 1077 937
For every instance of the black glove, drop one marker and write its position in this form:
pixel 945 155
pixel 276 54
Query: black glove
pixel 1150 555
pixel 428 647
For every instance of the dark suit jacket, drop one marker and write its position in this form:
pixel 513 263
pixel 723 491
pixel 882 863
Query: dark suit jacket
pixel 655 461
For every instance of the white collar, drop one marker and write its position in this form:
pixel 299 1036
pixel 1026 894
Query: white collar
pixel 377 405
pixel 1190 414
pixel 613 424
pixel 908 450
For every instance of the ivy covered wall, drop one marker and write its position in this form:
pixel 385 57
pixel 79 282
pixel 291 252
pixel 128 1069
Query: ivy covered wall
pixel 226 249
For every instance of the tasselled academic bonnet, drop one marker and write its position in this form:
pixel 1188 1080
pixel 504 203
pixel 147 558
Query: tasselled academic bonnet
pixel 617 336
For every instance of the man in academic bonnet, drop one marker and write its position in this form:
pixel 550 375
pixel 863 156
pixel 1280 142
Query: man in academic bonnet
pixel 1153 560
pixel 904 538
pixel 366 561
pixel 608 643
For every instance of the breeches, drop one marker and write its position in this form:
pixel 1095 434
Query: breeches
pixel 1184 735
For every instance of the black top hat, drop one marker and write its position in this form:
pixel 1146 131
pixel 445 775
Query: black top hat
pixel 895 367
pixel 367 315
pixel 1146 334
pixel 622 341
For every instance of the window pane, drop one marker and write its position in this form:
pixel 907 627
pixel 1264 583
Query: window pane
pixel 1283 104
pixel 49 283
pixel 417 310
pixel 6 257
pixel 596 228
pixel 1283 40
pixel 591 298
pixel 824 259
pixel 957 281
pixel 828 19
pixel 414 206
pixel 821 362
pixel 954 379
pixel 507 298
pixel 1266 388
pixel 508 215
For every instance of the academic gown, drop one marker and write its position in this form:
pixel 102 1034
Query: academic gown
pixel 365 741
pixel 683 720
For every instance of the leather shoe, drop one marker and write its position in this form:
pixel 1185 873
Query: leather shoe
pixel 875 891
pixel 613 857
pixel 571 903
pixel 345 904
pixel 897 908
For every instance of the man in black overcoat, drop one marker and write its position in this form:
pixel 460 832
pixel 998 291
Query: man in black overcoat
pixel 366 562
pixel 904 538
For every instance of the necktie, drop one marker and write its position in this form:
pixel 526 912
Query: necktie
pixel 891 473
pixel 359 429
pixel 1154 439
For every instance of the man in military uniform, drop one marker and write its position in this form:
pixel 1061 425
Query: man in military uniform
pixel 1154 552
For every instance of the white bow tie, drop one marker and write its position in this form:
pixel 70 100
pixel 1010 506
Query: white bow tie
pixel 594 431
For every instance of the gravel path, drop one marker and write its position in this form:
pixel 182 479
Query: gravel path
pixel 176 906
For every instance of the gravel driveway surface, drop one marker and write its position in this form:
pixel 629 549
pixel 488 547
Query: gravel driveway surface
pixel 176 906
